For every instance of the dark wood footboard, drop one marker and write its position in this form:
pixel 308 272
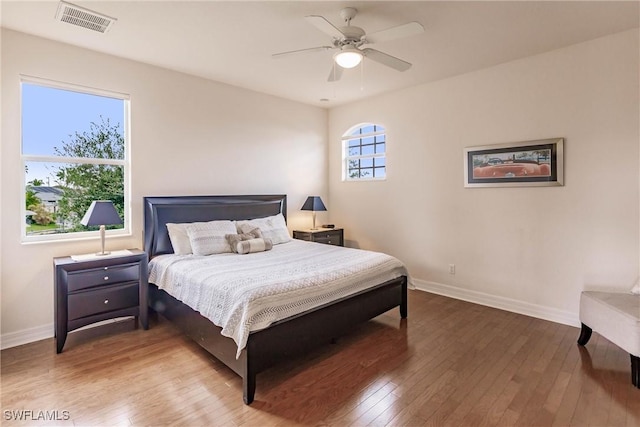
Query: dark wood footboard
pixel 284 339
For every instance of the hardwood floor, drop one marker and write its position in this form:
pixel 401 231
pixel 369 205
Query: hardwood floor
pixel 451 363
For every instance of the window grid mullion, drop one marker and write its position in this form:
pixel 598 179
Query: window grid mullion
pixel 366 156
pixel 75 160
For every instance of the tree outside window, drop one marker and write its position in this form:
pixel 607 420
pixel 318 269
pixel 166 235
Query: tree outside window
pixel 74 151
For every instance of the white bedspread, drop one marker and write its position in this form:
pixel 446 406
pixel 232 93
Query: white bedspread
pixel 244 293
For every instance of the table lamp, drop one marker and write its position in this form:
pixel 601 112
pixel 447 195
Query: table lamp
pixel 101 212
pixel 313 203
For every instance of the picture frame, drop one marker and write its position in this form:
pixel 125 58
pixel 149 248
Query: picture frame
pixel 535 163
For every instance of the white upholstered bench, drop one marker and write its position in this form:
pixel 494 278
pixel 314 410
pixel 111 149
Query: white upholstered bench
pixel 615 316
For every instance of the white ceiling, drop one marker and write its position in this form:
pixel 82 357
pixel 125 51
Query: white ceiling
pixel 232 41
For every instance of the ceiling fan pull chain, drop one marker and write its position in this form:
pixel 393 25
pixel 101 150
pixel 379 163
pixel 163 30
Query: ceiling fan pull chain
pixel 362 76
pixel 333 86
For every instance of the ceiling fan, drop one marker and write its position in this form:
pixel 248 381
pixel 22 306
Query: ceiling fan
pixel 349 39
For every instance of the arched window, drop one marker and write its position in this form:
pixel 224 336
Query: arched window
pixel 364 148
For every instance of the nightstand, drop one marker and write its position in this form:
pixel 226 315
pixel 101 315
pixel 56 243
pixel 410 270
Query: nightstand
pixel 98 289
pixel 330 236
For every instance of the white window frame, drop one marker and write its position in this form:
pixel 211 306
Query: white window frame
pixel 347 136
pixel 125 163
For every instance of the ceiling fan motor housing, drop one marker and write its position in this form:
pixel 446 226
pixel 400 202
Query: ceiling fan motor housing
pixel 352 34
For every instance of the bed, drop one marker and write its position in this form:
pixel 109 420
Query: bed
pixel 283 339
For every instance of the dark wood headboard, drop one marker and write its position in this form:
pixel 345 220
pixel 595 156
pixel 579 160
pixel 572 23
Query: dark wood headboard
pixel 158 211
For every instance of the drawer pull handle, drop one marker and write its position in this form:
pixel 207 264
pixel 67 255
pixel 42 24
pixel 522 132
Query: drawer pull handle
pixel 106 268
pixel 106 301
pixel 106 277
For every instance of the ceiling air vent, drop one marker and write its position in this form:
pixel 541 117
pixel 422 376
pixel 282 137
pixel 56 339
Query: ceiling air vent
pixel 85 18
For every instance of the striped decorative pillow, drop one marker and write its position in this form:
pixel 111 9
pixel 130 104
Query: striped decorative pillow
pixel 208 238
pixel 253 245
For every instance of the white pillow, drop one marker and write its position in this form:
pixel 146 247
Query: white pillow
pixel 208 238
pixel 179 239
pixel 272 227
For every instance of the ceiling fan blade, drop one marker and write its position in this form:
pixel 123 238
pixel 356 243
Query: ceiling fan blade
pixel 336 73
pixel 386 59
pixel 325 26
pixel 311 49
pixel 405 30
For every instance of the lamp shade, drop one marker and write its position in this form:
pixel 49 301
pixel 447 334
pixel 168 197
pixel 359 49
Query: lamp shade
pixel 313 203
pixel 101 212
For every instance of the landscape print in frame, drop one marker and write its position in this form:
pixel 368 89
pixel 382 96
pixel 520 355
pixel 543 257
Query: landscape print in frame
pixel 526 163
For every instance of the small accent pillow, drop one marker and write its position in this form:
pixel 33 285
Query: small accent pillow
pixel 234 239
pixel 179 239
pixel 636 288
pixel 208 238
pixel 252 232
pixel 253 245
pixel 272 227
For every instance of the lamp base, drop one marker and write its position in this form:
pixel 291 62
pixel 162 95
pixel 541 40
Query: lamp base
pixel 102 235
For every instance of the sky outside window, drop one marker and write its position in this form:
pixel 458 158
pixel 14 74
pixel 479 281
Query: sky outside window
pixel 51 116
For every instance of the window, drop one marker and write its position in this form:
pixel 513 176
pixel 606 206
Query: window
pixel 74 150
pixel 364 149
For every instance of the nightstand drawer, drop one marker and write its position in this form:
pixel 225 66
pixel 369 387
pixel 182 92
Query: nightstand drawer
pixel 83 279
pixel 328 238
pixel 303 236
pixel 108 298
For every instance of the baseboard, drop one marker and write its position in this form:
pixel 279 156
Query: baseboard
pixel 502 303
pixel 13 339
pixel 25 336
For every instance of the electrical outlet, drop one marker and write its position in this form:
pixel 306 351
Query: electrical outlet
pixel 452 269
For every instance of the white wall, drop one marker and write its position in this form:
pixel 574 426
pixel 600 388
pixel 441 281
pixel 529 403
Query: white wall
pixel 188 136
pixel 527 249
pixel 530 250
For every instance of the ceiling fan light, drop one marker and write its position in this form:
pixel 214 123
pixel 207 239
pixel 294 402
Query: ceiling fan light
pixel 348 58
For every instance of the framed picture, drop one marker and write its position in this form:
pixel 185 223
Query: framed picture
pixel 526 163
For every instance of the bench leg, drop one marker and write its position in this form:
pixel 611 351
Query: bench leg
pixel 635 370
pixel 585 335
